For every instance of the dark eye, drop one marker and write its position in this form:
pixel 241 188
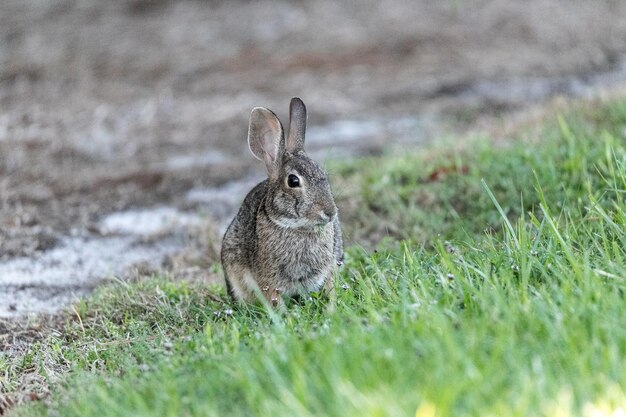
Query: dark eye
pixel 293 181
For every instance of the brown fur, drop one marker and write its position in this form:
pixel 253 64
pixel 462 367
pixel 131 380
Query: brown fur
pixel 284 240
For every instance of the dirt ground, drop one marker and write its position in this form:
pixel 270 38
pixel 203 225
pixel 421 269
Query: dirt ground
pixel 123 122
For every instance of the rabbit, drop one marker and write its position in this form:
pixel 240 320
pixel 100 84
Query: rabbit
pixel 286 238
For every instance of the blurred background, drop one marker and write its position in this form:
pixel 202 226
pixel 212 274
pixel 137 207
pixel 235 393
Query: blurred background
pixel 123 122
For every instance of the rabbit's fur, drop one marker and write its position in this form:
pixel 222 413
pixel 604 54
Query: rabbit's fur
pixel 285 239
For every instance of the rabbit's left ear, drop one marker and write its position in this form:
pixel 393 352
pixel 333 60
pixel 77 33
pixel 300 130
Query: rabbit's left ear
pixel 265 138
pixel 297 125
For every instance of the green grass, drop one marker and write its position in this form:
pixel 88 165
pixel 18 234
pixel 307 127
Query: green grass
pixel 499 291
pixel 440 194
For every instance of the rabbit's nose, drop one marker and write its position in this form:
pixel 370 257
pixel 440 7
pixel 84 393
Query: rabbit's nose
pixel 328 214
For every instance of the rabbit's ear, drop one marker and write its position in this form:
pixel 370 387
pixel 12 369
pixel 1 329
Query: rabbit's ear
pixel 265 138
pixel 297 125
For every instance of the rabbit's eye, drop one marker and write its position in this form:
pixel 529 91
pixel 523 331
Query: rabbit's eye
pixel 293 181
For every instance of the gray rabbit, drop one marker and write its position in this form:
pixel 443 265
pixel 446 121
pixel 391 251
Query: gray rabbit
pixel 286 238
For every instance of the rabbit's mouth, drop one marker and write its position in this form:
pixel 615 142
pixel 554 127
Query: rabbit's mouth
pixel 323 217
pixel 321 223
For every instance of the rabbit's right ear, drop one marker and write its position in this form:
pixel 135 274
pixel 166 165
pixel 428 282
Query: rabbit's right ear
pixel 297 125
pixel 265 138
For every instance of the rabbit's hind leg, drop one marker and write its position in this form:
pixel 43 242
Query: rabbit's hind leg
pixel 240 283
